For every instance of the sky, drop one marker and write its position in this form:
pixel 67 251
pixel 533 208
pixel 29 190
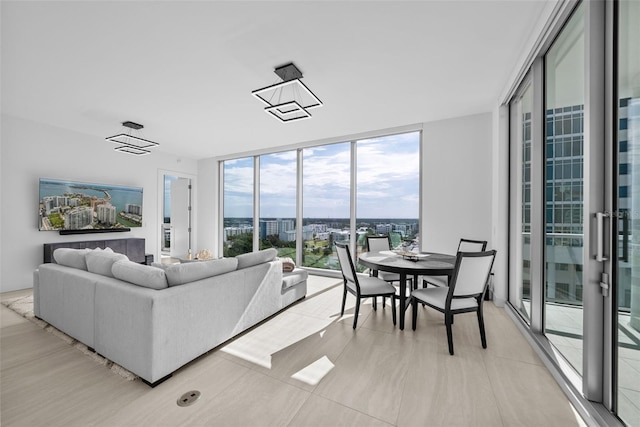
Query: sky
pixel 387 181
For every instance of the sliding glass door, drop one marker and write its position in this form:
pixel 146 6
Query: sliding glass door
pixel 575 204
pixel 627 219
pixel 563 191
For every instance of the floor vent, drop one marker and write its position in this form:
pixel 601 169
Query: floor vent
pixel 189 398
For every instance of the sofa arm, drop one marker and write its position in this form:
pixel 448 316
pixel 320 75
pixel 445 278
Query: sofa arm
pixel 123 325
pixel 154 332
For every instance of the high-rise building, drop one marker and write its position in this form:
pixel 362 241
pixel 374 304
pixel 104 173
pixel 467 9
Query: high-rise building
pixel 268 228
pixel 106 214
pixel 54 203
pixel 564 175
pixel 78 218
pixel 316 228
pixel 133 209
pixel 234 231
pixel 287 236
pixel 286 225
pixel 383 228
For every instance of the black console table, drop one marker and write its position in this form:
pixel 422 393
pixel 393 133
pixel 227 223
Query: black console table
pixel 132 247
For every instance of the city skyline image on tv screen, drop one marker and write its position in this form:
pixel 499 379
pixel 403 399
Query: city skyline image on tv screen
pixel 72 205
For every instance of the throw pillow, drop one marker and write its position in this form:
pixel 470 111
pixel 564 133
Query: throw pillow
pixel 179 274
pixel 139 274
pixel 287 264
pixel 100 262
pixel 74 258
pixel 255 258
pixel 160 265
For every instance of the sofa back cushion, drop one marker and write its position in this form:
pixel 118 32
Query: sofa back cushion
pixel 254 258
pixel 179 274
pixel 74 258
pixel 100 262
pixel 139 274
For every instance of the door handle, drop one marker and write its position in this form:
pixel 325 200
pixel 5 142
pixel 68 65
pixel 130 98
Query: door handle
pixel 600 216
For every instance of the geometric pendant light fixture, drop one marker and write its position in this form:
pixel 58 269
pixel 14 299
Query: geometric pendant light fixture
pixel 132 141
pixel 289 100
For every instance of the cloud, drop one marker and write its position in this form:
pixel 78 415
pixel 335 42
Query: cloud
pixel 387 179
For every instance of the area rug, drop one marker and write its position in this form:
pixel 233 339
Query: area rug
pixel 24 307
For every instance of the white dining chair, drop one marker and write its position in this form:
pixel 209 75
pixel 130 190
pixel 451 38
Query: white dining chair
pixel 361 286
pixel 381 243
pixel 464 294
pixel 464 245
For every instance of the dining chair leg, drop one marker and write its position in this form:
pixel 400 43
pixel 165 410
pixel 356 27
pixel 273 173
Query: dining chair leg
pixel 414 313
pixel 375 303
pixel 449 322
pixel 355 319
pixel 393 309
pixel 483 336
pixel 344 300
pixel 384 301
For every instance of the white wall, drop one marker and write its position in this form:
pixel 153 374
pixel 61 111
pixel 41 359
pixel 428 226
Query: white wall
pixel 33 150
pixel 456 182
pixel 208 206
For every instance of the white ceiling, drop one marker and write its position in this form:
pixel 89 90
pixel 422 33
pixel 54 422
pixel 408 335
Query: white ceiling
pixel 185 70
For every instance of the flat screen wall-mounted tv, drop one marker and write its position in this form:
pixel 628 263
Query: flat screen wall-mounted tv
pixel 72 207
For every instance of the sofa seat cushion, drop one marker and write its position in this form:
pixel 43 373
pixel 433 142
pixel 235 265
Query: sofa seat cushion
pixel 293 278
pixel 179 274
pixel 254 258
pixel 139 274
pixel 100 262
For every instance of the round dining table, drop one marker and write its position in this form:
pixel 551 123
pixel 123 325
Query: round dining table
pixel 407 265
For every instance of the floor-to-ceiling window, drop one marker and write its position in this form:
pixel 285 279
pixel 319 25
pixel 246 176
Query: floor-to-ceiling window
pixel 278 187
pixel 305 200
pixel 388 189
pixel 326 186
pixel 238 206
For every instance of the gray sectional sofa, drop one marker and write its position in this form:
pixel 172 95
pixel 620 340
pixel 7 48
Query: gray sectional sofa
pixel 154 320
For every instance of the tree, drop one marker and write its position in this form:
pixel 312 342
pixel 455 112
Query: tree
pixel 239 244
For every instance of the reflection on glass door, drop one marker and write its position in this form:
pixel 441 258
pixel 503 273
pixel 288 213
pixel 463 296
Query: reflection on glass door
pixel 628 217
pixel 521 116
pixel 564 172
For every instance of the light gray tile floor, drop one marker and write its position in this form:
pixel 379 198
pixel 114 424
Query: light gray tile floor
pixel 304 367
